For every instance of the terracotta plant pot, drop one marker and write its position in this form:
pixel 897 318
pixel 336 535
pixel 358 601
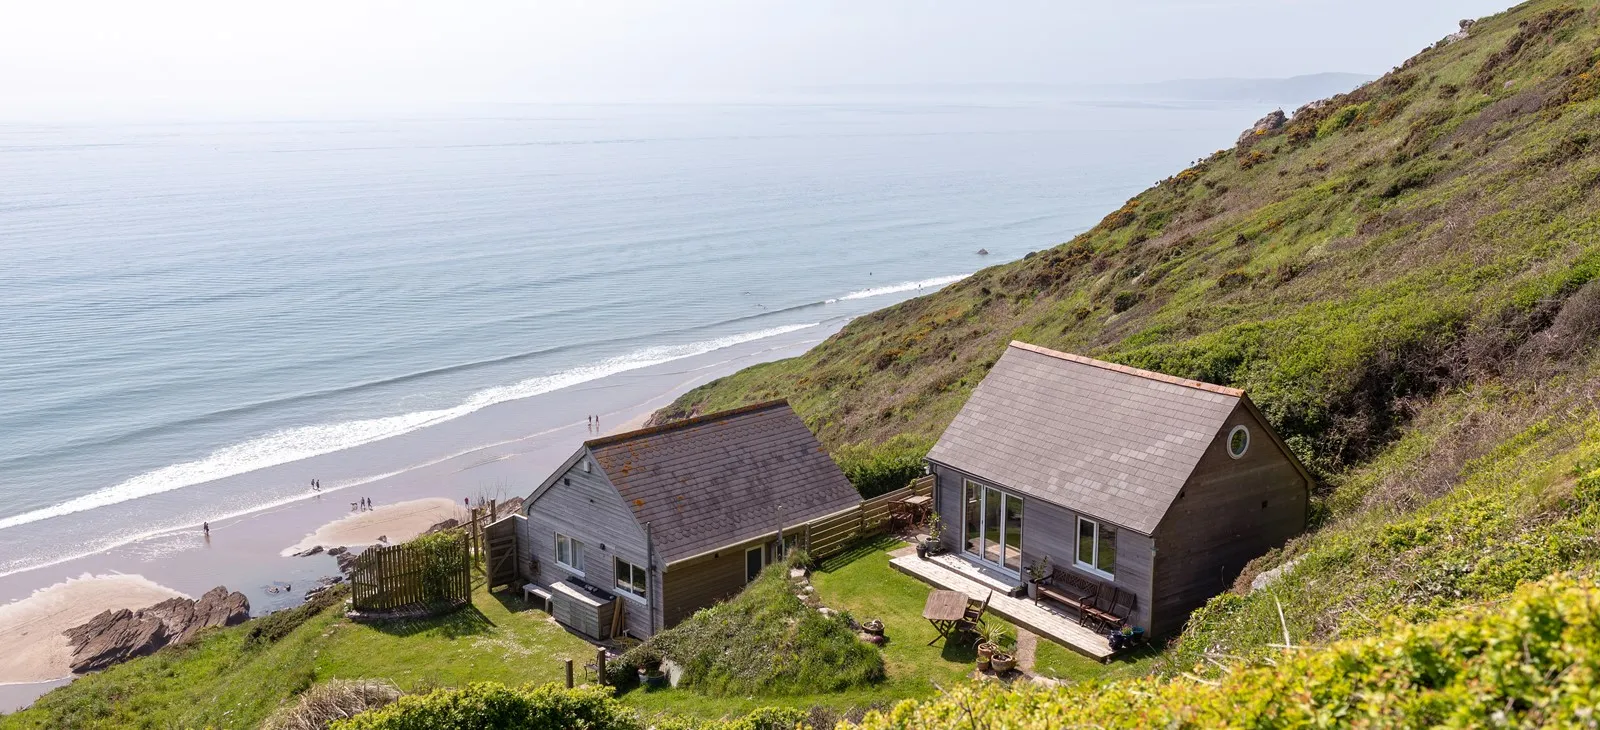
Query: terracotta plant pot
pixel 1002 662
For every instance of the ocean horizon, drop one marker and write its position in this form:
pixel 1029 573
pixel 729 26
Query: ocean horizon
pixel 194 302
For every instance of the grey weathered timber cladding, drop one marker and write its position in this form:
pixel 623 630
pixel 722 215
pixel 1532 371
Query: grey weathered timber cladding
pixel 689 587
pixel 1050 531
pixel 703 488
pixel 1230 512
pixel 584 505
pixel 723 478
pixel 1097 438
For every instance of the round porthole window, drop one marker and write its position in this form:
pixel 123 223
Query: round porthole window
pixel 1238 441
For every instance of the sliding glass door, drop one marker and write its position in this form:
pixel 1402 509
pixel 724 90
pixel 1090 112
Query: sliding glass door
pixel 993 529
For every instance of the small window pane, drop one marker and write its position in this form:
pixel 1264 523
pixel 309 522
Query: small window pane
pixel 1107 560
pixel 1086 542
pixel 577 556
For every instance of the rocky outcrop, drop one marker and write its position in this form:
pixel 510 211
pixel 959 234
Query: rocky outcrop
pixel 313 550
pixel 1461 35
pixel 116 636
pixel 1269 124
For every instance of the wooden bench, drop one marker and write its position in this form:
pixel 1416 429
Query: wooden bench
pixel 1069 588
pixel 1110 609
pixel 534 590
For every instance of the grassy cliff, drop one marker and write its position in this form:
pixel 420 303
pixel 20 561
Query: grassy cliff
pixel 1400 276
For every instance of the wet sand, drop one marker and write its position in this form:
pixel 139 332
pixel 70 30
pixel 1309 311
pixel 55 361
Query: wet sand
pixel 389 524
pixel 32 647
pixel 501 451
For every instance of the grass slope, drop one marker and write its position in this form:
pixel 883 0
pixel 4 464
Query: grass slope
pixel 226 680
pixel 1392 243
pixel 1403 279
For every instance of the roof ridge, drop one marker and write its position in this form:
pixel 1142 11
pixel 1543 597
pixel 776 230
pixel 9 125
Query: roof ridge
pixel 1128 370
pixel 685 423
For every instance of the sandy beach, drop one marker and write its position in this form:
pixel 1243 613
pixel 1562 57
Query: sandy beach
pixel 387 524
pixel 34 649
pixel 414 481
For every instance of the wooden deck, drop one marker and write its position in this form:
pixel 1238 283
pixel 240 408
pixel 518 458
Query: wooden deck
pixel 1040 618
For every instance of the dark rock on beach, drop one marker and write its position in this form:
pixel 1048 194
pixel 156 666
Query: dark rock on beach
pixel 313 550
pixel 116 636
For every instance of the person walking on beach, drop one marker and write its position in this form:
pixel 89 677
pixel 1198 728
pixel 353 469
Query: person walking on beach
pixel 206 528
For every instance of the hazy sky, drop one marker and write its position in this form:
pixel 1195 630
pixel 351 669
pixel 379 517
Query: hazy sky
pixel 292 55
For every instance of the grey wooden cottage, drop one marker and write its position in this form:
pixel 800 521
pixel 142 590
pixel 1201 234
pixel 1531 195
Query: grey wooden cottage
pixel 667 520
pixel 1161 486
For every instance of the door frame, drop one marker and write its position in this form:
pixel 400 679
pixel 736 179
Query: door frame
pixel 983 513
pixel 760 550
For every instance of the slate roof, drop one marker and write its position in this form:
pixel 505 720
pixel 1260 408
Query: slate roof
pixel 720 479
pixel 1100 439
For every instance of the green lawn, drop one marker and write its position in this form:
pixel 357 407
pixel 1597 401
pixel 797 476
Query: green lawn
pixel 868 587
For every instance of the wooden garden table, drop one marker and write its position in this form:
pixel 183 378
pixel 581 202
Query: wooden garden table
pixel 944 610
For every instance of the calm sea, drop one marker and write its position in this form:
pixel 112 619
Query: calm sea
pixel 183 302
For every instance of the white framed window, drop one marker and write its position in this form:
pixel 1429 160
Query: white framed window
pixel 1097 547
pixel 1238 441
pixel 569 553
pixel 631 579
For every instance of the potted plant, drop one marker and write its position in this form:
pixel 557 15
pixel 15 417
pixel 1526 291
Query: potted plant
pixel 935 543
pixel 1003 660
pixel 1038 571
pixel 922 548
pixel 655 679
pixel 989 646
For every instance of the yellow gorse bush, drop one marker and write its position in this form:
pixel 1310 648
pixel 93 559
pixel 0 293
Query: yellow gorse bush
pixel 1530 661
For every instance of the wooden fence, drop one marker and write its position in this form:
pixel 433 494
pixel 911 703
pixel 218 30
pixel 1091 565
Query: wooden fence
pixel 830 536
pixel 408 578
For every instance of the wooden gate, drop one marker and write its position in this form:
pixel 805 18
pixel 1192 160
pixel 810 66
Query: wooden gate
pixel 410 578
pixel 500 541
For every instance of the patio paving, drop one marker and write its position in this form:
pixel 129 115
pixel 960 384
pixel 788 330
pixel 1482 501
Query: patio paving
pixel 1040 618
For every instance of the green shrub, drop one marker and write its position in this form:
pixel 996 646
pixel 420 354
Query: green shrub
pixel 1532 662
pixel 877 469
pixel 493 706
pixel 765 642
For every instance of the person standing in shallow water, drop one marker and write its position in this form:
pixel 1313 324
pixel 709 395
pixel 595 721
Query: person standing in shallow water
pixel 206 528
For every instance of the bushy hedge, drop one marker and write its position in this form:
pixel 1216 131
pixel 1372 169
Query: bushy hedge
pixel 1533 661
pixel 877 469
pixel 764 642
pixel 493 706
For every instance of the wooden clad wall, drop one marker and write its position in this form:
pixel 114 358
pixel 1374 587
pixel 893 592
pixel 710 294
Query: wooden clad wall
pixel 1052 531
pixel 585 506
pixel 1219 523
pixel 692 586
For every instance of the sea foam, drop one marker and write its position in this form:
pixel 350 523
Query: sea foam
pixel 900 288
pixel 294 444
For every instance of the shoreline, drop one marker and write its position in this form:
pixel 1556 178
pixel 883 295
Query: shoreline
pixel 36 651
pixel 499 451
